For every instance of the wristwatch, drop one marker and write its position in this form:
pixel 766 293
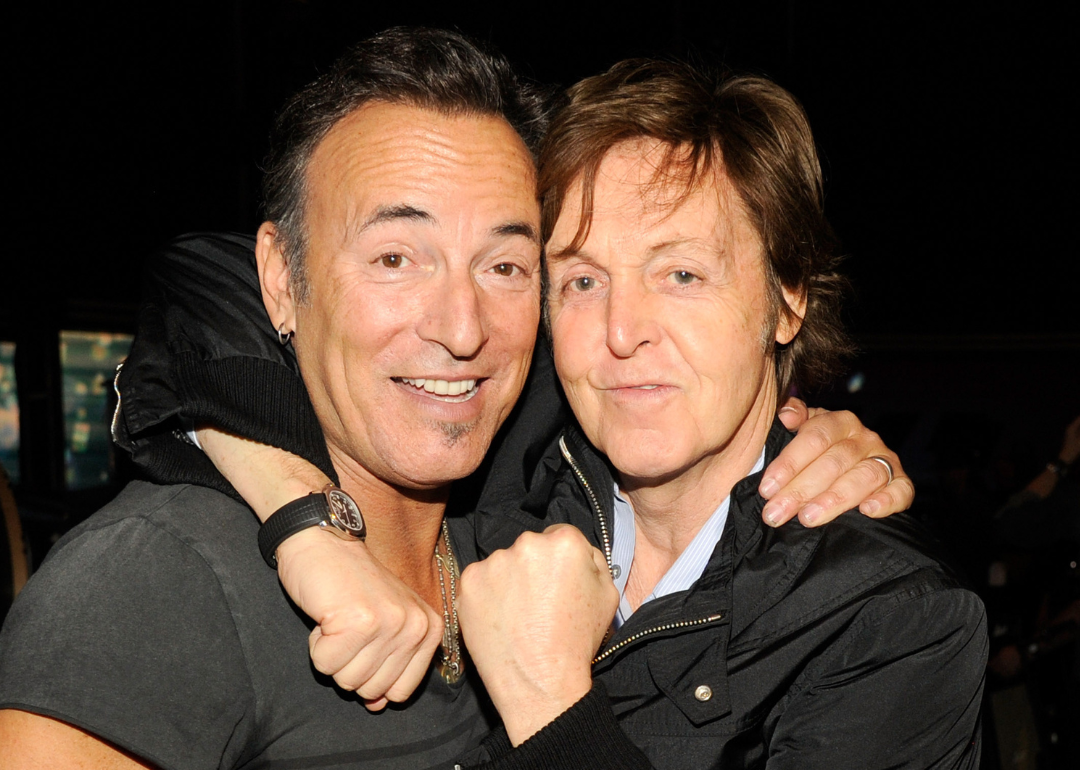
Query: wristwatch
pixel 331 509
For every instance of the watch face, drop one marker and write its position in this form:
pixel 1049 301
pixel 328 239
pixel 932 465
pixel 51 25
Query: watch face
pixel 345 513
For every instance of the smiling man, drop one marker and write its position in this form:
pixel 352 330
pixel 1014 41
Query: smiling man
pixel 401 260
pixel 402 255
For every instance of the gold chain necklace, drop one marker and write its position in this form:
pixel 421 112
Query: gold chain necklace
pixel 450 665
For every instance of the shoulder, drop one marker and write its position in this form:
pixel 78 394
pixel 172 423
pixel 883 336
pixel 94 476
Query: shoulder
pixel 150 520
pixel 855 566
pixel 130 631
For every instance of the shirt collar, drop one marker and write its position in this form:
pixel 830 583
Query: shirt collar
pixel 687 568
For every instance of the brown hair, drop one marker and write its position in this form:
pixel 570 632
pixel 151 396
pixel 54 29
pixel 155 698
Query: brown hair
pixel 750 129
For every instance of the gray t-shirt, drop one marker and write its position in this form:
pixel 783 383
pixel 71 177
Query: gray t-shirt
pixel 157 626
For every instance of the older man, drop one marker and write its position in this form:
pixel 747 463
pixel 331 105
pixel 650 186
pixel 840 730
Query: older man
pixel 692 277
pixel 401 258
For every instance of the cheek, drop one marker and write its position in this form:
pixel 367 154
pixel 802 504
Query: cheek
pixel 570 349
pixel 514 323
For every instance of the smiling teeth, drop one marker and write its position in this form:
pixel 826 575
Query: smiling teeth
pixel 442 387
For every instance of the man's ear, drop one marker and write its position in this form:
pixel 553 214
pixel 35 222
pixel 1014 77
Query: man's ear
pixel 791 318
pixel 274 277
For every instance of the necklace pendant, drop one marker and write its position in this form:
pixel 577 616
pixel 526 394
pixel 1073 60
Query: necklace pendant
pixel 450 671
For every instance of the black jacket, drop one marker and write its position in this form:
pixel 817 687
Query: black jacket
pixel 847 646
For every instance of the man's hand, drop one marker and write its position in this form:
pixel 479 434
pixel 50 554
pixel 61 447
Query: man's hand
pixel 533 617
pixel 827 469
pixel 374 634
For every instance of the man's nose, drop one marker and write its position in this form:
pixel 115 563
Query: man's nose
pixel 630 319
pixel 455 317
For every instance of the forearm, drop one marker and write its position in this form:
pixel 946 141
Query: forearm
pixel 265 476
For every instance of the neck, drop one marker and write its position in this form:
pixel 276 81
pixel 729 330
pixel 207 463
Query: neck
pixel 668 514
pixel 403 525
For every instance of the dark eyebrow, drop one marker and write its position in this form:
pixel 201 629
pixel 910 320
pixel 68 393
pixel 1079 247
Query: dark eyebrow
pixel 523 229
pixel 390 213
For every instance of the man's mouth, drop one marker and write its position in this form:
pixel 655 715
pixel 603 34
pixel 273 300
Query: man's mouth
pixel 455 391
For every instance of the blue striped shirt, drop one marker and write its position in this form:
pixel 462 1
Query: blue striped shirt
pixel 686 569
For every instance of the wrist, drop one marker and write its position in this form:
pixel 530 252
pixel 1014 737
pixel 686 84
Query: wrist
pixel 527 714
pixel 285 490
pixel 316 540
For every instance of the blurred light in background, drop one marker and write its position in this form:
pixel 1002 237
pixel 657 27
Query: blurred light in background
pixel 88 364
pixel 9 412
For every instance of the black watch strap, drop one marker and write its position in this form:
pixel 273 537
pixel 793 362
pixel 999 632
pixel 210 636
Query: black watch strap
pixel 308 511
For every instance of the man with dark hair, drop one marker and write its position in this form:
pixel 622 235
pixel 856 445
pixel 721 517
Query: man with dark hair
pixel 401 258
pixel 155 634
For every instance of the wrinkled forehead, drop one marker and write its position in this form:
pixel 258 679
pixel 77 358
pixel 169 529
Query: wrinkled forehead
pixel 387 154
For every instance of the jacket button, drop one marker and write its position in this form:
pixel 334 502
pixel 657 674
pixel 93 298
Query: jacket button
pixel 703 693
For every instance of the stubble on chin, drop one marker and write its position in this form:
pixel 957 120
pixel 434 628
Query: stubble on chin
pixel 453 432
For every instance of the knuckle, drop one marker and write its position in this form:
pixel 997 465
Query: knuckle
pixel 367 690
pixel 870 438
pixel 847 417
pixel 871 474
pixel 818 438
pixel 415 629
pixel 834 464
pixel 832 500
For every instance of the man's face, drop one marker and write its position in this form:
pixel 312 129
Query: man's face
pixel 423 268
pixel 661 321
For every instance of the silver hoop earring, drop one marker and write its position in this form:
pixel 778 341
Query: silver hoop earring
pixel 283 336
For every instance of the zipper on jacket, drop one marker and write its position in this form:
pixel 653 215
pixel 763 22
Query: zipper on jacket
pixel 654 630
pixel 593 500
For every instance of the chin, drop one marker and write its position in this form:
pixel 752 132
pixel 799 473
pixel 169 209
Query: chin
pixel 451 453
pixel 646 460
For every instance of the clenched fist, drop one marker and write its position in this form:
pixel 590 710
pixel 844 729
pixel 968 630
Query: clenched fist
pixel 533 617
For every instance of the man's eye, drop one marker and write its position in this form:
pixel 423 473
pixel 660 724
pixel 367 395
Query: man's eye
pixel 505 269
pixel 391 260
pixel 683 277
pixel 583 283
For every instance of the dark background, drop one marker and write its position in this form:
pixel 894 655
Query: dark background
pixel 947 132
pixel 944 130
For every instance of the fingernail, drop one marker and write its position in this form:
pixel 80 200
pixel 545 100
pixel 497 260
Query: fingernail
pixel 810 513
pixel 870 507
pixel 769 487
pixel 788 409
pixel 774 512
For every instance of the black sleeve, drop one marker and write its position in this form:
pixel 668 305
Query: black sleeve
pixel 205 352
pixel 901 689
pixel 585 735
